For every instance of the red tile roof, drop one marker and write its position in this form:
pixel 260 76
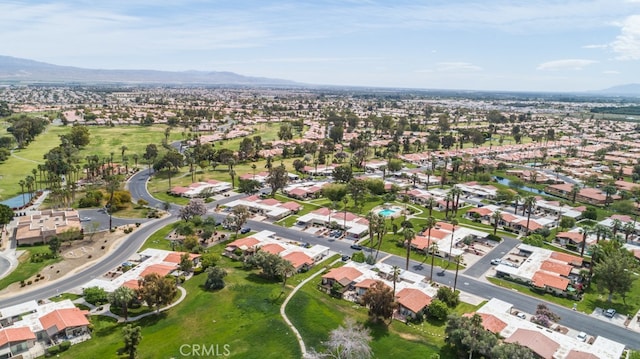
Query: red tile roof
pixel 131 284
pixel 536 341
pixel 65 318
pixel 174 257
pixel 298 259
pixel 413 299
pixel 543 279
pixel 368 283
pixel 13 335
pixel 576 354
pixel 568 258
pixel 556 267
pixel 160 269
pixel 272 248
pixel 246 242
pixel 343 275
pixel 490 322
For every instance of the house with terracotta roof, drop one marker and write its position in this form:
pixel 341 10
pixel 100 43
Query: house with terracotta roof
pixel 270 207
pixel 339 280
pixel 240 247
pixel 543 346
pixel 550 271
pixel 412 301
pixel 65 323
pixel 14 341
pixel 162 270
pixel 299 260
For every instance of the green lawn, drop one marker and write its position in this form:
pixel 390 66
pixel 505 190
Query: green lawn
pixel 315 314
pixel 243 314
pixel 26 269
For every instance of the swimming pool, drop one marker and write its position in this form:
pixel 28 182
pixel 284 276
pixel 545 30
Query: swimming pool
pixel 387 212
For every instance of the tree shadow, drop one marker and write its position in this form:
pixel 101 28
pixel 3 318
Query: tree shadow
pixel 378 329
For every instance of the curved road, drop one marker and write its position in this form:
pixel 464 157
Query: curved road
pixel 468 283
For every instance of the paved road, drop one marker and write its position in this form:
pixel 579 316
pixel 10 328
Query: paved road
pixel 465 282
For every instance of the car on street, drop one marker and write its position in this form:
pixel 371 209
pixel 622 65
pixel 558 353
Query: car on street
pixel 345 257
pixel 356 247
pixel 496 261
pixel 85 219
pixel 245 230
pixel 610 313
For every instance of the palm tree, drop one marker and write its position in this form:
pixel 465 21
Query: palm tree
pixel 409 235
pixel 395 270
pixel 616 225
pixel 601 231
pixel 609 190
pixel 516 200
pixel 121 297
pixel 448 199
pixel 456 193
pixel 628 228
pixel 22 183
pixel 529 203
pixel 380 226
pixel 431 222
pixel 433 249
pixel 232 174
pixel 431 202
pixel 428 173
pixel 585 232
pixel 496 217
pixel 285 269
pixel 574 192
pixel 345 200
pixel 455 280
pixel 454 223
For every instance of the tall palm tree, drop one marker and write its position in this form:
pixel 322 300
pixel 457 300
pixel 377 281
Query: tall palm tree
pixel 455 280
pixel 628 228
pixel 232 174
pixel 454 223
pixel 496 217
pixel 429 173
pixel 575 189
pixel 121 297
pixel 22 183
pixel 616 225
pixel 585 232
pixel 431 222
pixel 456 193
pixel 409 235
pixel 516 200
pixel 345 200
pixel 433 249
pixel 529 203
pixel 381 228
pixel 285 269
pixel 431 202
pixel 395 270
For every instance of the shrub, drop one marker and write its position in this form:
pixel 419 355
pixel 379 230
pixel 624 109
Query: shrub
pixel 358 257
pixel 65 345
pixel 493 237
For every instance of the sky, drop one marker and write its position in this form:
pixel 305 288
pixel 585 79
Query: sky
pixel 530 45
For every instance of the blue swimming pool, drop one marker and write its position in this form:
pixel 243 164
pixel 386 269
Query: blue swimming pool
pixel 387 212
pixel 17 202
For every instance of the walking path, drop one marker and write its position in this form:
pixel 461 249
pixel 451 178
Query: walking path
pixel 106 311
pixel 303 347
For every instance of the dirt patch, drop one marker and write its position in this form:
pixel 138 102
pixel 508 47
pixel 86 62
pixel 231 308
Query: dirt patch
pixel 75 257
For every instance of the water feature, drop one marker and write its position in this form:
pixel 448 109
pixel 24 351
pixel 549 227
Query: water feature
pixel 506 181
pixel 387 212
pixel 17 201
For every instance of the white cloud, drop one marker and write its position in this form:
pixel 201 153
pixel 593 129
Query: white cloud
pixel 596 46
pixel 457 66
pixel 567 64
pixel 627 44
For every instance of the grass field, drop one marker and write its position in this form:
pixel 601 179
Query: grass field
pixel 243 314
pixel 26 269
pixel 315 314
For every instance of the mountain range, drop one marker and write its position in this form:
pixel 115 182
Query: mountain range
pixel 23 71
pixel 15 70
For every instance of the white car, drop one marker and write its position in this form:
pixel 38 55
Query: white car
pixel 521 315
pixel 582 336
pixel 496 261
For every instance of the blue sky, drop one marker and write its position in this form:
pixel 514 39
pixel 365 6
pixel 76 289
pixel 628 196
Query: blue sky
pixel 539 45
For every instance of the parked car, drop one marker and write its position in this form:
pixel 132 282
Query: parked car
pixel 582 336
pixel 85 219
pixel 245 230
pixel 345 257
pixel 610 313
pixel 521 315
pixel 496 261
pixel 356 247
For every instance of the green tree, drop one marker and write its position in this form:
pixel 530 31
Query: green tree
pixel 334 191
pixel 409 235
pixel 277 178
pixel 342 174
pixel 358 190
pixel 121 298
pixel 248 186
pixel 215 278
pixel 6 215
pixel 132 337
pixel 380 301
pixel 438 309
pixel 54 246
pixel 95 295
pixel 614 272
pixel 157 291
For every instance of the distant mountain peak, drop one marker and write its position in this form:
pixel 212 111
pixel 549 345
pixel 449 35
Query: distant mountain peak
pixel 18 70
pixel 626 89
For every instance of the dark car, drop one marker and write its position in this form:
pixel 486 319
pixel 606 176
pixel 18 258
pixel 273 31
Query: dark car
pixel 345 257
pixel 245 230
pixel 356 247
